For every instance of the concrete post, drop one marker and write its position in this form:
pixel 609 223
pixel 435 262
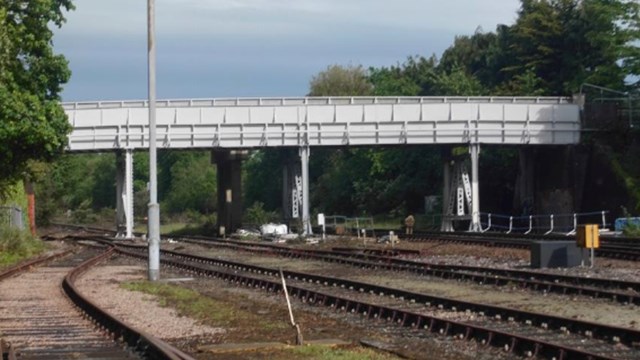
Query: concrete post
pixel 154 208
pixel 474 150
pixel 304 161
pixel 446 223
pixel 124 193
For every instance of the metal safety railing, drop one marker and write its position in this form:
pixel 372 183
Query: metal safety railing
pixel 542 223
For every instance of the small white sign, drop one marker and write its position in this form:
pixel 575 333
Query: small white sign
pixel 320 219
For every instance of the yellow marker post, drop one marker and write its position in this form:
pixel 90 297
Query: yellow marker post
pixel 588 236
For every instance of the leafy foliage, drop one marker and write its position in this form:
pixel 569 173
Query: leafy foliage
pixel 33 125
pixel 16 245
pixel 193 184
pixel 339 80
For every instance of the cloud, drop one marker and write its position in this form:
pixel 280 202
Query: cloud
pixel 285 17
pixel 268 5
pixel 254 47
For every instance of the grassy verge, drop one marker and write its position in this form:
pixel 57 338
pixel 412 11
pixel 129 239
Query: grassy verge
pixel 243 325
pixel 315 352
pixel 192 304
pixel 16 245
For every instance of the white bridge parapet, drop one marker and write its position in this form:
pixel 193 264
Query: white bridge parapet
pixel 325 121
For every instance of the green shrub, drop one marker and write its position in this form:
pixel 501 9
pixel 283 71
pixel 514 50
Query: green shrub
pixel 257 215
pixel 631 230
pixel 16 245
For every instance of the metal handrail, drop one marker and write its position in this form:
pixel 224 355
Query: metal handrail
pixel 316 101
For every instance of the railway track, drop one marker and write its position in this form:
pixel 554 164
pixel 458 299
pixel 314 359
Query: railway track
pixel 624 292
pixel 39 322
pixel 520 332
pixel 622 248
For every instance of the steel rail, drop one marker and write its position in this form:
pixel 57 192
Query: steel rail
pixel 545 282
pixel 517 343
pixel 609 247
pixel 562 284
pixel 605 332
pixel 11 271
pixel 147 345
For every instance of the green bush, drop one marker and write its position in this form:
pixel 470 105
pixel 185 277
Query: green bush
pixel 631 230
pixel 257 215
pixel 16 245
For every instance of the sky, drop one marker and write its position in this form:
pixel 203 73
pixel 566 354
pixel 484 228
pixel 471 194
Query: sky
pixel 252 48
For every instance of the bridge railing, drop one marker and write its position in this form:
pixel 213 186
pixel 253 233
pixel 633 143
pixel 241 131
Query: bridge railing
pixel 332 100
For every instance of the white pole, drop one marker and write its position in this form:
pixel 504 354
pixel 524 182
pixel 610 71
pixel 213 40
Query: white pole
pixel 304 162
pixel 128 201
pixel 475 188
pixel 154 208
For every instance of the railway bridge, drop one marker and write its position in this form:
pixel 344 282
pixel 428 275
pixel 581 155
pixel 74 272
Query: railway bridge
pixel 230 128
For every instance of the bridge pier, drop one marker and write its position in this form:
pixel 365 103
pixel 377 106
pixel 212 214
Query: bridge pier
pixel 447 222
pixel 295 188
pixel 229 173
pixel 304 162
pixel 291 187
pixel 474 151
pixel 461 195
pixel 124 193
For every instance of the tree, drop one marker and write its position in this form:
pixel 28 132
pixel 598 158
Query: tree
pixel 569 42
pixel 338 80
pixel 193 184
pixel 33 125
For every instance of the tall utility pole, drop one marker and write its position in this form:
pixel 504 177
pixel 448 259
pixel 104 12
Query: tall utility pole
pixel 154 208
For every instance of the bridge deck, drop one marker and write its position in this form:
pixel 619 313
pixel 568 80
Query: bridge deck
pixel 327 121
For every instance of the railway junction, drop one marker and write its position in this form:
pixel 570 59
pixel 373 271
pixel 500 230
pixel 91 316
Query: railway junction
pixel 453 297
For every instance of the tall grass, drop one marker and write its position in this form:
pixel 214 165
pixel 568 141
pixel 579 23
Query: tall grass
pixel 17 245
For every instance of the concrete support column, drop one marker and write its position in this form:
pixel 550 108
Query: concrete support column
pixel 447 223
pixel 304 162
pixel 124 193
pixel 474 150
pixel 229 172
pixel 291 188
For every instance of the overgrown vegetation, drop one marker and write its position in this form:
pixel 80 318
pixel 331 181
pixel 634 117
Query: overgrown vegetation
pixel 194 305
pixel 17 245
pixel 315 352
pixel 253 327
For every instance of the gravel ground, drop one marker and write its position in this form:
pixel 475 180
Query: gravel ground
pixel 102 285
pixel 598 310
pixel 143 311
pixel 504 258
